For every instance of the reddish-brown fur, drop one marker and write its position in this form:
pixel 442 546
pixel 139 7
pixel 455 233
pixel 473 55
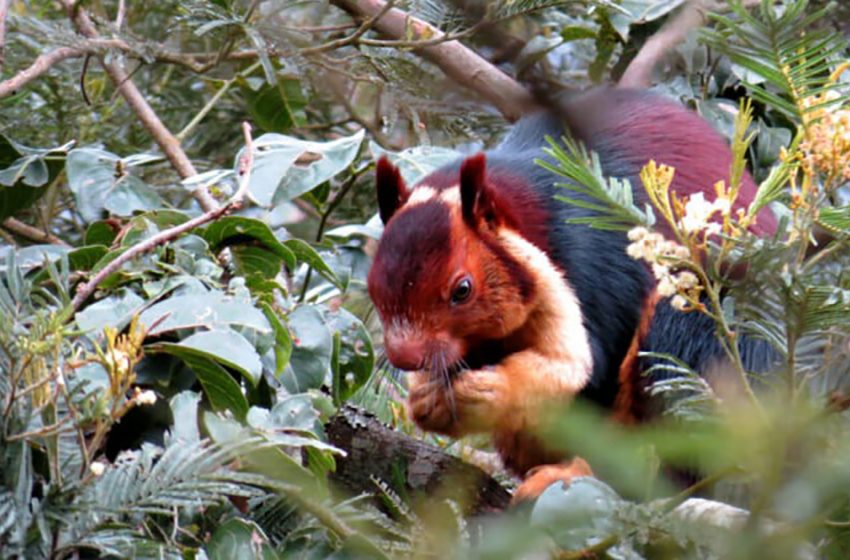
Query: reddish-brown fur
pixel 540 478
pixel 504 331
pixel 618 121
pixel 628 406
pixel 490 363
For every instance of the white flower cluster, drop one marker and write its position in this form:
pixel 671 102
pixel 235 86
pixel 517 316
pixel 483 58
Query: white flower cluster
pixel 698 211
pixel 144 397
pixel 660 253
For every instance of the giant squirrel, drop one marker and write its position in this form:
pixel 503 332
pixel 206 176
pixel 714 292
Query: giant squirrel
pixel 496 304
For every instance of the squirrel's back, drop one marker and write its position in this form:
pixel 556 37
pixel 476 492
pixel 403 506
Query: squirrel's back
pixel 626 129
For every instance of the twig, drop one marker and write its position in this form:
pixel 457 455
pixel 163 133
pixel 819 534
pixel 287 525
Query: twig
pixel 39 66
pixel 151 121
pixel 119 17
pixel 35 234
pixel 246 162
pixel 213 101
pixel 4 11
pixel 323 222
pixel 690 16
pixel 592 551
pixel 319 28
pixel 458 62
pixel 354 37
pixel 44 430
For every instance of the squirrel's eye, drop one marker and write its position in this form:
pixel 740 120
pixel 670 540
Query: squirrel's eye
pixel 462 290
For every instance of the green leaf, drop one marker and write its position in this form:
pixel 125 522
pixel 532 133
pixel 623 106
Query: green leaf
pixel 232 231
pixel 100 233
pixel 99 181
pixel 145 226
pixel 228 348
pixel 239 538
pixel 283 340
pixel 309 364
pixel 576 32
pixel 789 49
pixel 113 311
pixel 306 254
pixel 35 256
pixel 417 162
pixel 326 160
pixel 184 409
pixel 272 462
pixel 350 230
pixel 275 176
pixel 297 412
pixel 610 200
pixel 128 195
pixel 275 107
pixel 25 174
pixel 86 257
pixel 208 310
pixel 638 12
pixel 276 428
pixel 606 42
pixel 222 391
pixel 836 220
pixel 252 261
pixel 27 170
pixel 578 514
pixel 355 357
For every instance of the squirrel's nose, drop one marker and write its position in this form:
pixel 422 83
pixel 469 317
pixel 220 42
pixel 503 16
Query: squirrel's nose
pixel 406 354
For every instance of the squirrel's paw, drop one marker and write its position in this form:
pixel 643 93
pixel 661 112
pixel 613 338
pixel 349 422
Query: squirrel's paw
pixel 473 401
pixel 539 478
pixel 431 405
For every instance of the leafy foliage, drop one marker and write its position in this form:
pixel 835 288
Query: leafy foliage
pixel 179 411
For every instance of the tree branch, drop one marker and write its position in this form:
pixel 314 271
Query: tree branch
pixel 4 11
pixel 690 16
pixel 376 452
pixel 39 66
pixel 134 98
pixel 458 62
pixel 30 232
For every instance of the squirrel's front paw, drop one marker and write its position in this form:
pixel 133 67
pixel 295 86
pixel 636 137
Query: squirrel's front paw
pixel 540 478
pixel 473 402
pixel 431 404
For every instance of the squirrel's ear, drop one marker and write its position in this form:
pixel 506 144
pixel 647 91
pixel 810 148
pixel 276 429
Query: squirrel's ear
pixel 392 192
pixel 476 200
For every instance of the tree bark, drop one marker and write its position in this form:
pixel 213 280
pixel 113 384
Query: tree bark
pixel 463 65
pixel 411 468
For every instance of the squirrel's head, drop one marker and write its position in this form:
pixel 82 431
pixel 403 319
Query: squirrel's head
pixel 444 279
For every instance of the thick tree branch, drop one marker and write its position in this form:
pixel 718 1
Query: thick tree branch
pixel 690 16
pixel 377 453
pixel 459 63
pixel 167 142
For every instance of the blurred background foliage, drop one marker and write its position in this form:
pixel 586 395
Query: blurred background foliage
pixel 179 411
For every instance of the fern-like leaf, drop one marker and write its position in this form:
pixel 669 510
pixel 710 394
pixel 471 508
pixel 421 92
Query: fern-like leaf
pixel 183 477
pixel 610 201
pixel 786 48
